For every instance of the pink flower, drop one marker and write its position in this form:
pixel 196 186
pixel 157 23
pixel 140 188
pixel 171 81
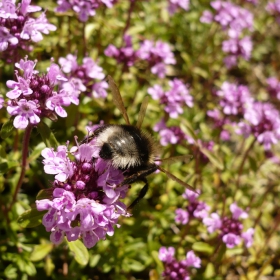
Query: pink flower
pixel 193 260
pixel 25 112
pixel 213 223
pixel 85 201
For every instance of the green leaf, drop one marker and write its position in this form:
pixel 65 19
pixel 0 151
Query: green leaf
pixel 202 247
pixel 200 72
pixel 136 29
pixel 213 158
pixel 94 260
pixel 49 266
pixel 187 128
pixel 11 272
pixel 209 271
pixel 30 268
pixel 134 265
pixel 6 165
pixel 36 152
pixel 80 251
pixel 47 135
pixel 7 129
pixel 221 254
pixel 40 251
pixel 31 218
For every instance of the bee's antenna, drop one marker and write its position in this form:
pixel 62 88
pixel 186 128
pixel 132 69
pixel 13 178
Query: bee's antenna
pixel 142 112
pixel 117 99
pixel 170 160
pixel 174 178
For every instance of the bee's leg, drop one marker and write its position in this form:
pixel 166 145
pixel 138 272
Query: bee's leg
pixel 141 194
pixel 140 175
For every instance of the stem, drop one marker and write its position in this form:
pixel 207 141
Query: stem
pixel 130 10
pixel 84 40
pixel 25 145
pixel 240 170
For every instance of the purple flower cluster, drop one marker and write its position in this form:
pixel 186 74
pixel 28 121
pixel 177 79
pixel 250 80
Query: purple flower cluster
pixel 169 135
pixel 274 8
pixel 174 5
pixel 263 121
pixel 234 20
pixel 33 96
pixel 85 200
pixel 234 101
pixel 158 54
pixel 219 122
pixel 236 47
pixel 84 8
pixel 17 27
pixel 174 135
pixel 125 54
pixel 174 99
pixel 273 87
pixel 234 98
pixel 230 228
pixel 195 209
pixel 174 269
pixel 86 78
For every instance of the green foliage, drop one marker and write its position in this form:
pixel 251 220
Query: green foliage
pixel 236 170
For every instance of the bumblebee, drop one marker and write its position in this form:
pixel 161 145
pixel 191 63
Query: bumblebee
pixel 130 149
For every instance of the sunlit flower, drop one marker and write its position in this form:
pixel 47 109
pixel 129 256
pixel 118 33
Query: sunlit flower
pixel 174 99
pixel 158 54
pixel 18 29
pixel 84 8
pixel 174 269
pixel 85 202
pixel 263 121
pixel 34 95
pixel 125 54
pixel 174 5
pixel 86 78
pixel 230 228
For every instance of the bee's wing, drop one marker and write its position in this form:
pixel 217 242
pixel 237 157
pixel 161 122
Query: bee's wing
pixel 142 112
pixel 170 160
pixel 117 99
pixel 174 178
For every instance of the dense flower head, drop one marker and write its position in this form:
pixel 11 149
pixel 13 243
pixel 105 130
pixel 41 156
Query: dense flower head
pixel 87 78
pixel 84 8
pixel 273 87
pixel 85 200
pixel 174 99
pixel 174 5
pixel 236 48
pixel 230 16
pixel 234 20
pixel 174 269
pixel 195 209
pixel 234 98
pixel 158 54
pixel 125 54
pixel 219 121
pixel 263 121
pixel 230 228
pixel 273 8
pixel 34 95
pixel 18 28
